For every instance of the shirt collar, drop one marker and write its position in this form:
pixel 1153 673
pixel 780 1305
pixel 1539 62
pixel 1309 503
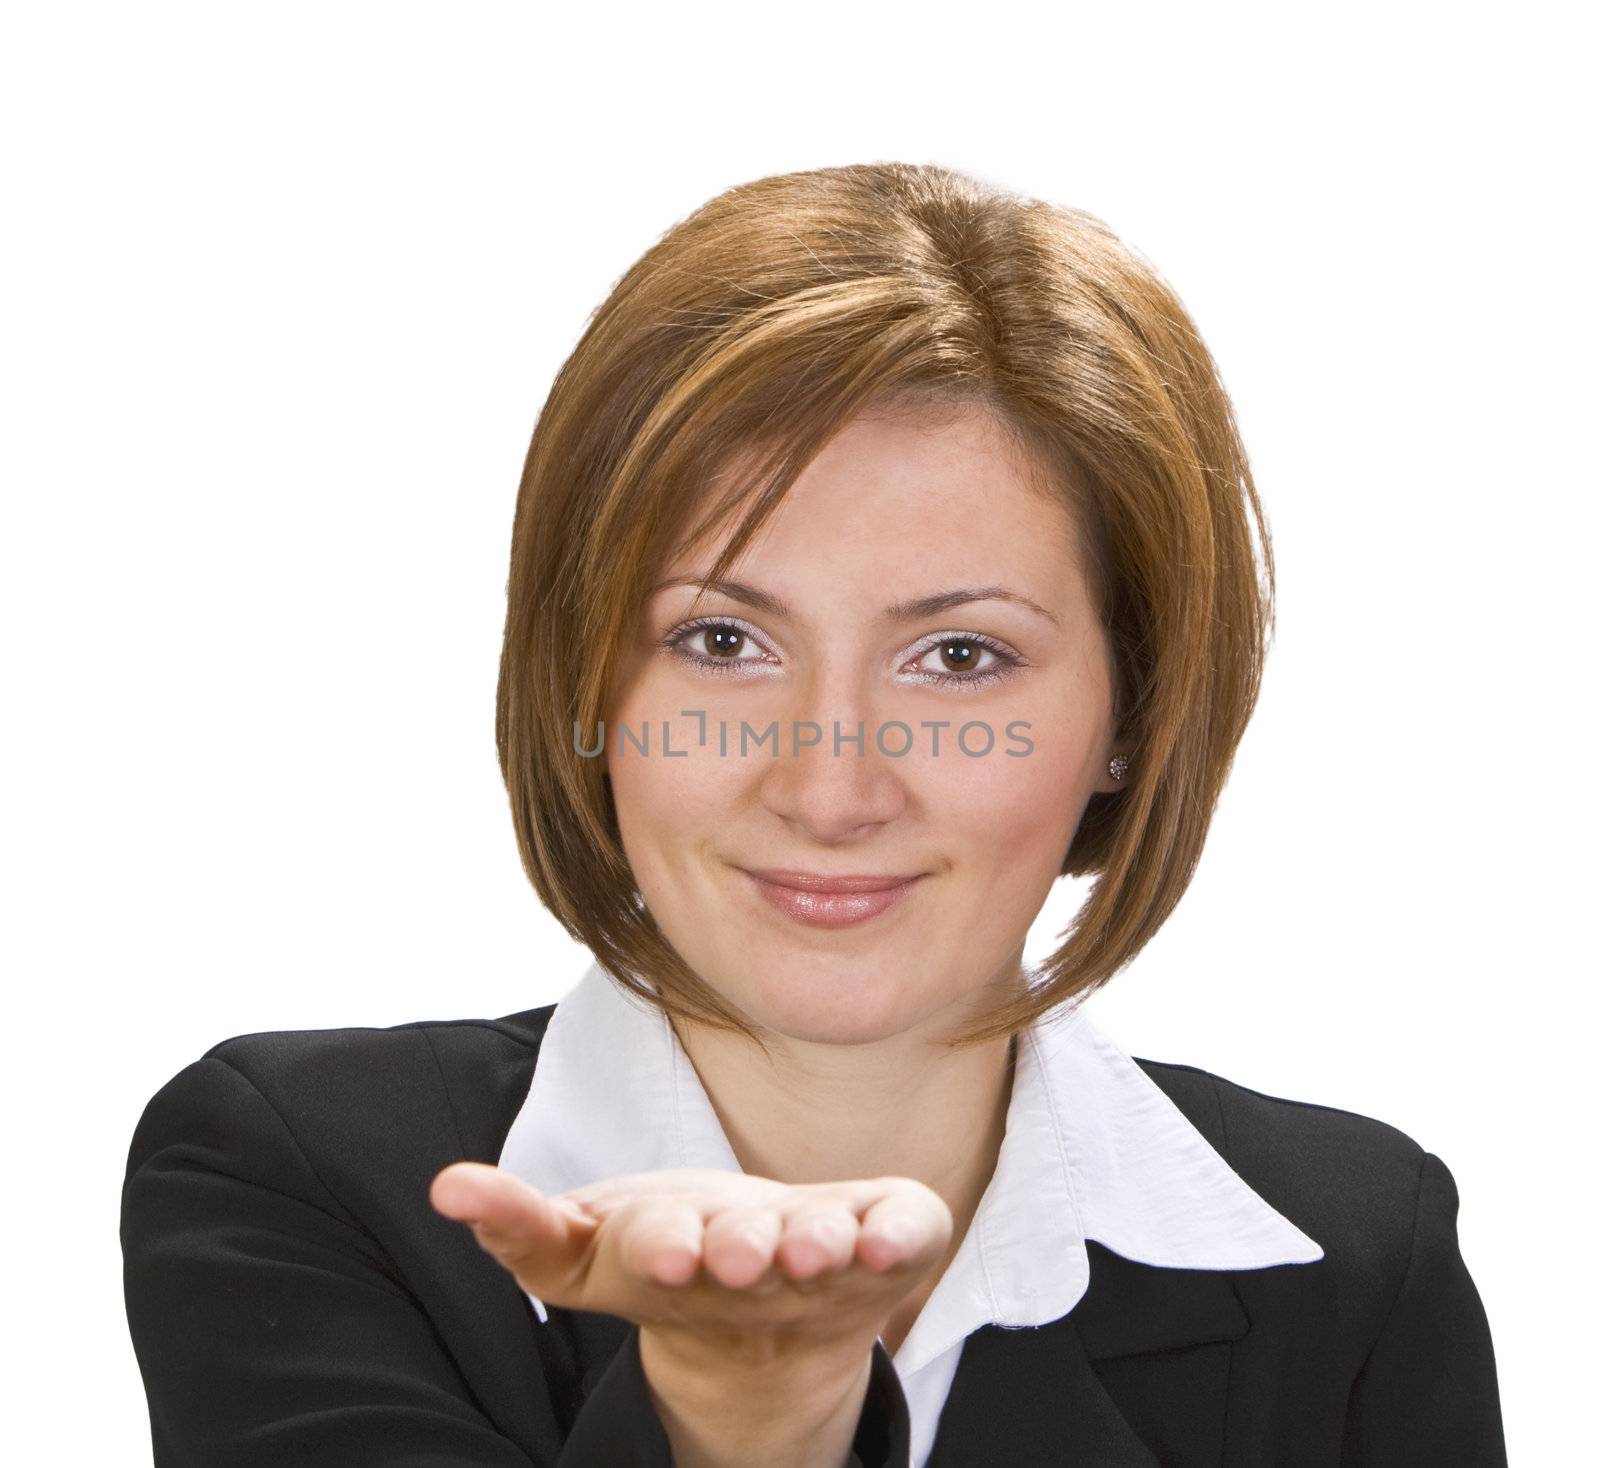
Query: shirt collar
pixel 1093 1149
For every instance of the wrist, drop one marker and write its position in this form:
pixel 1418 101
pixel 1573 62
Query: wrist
pixel 729 1404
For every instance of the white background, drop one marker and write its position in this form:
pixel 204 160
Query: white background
pixel 286 286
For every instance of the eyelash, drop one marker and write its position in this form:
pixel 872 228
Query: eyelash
pixel 676 640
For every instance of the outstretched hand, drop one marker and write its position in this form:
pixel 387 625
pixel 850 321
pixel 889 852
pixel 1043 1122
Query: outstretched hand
pixel 713 1261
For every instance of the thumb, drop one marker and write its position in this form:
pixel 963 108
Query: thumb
pixel 510 1219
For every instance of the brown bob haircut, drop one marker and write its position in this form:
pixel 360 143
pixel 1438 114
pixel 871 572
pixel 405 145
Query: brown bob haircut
pixel 754 330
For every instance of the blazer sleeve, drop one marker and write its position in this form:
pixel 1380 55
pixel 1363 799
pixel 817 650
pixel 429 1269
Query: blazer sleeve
pixel 1428 1391
pixel 270 1327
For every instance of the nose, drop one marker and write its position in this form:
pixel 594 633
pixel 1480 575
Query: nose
pixel 831 779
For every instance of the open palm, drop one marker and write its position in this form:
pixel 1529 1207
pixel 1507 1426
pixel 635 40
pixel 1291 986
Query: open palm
pixel 738 1263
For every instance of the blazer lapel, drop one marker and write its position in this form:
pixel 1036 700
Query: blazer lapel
pixel 1030 1395
pixel 1133 1377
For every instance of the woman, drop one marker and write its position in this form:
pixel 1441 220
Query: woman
pixel 885 551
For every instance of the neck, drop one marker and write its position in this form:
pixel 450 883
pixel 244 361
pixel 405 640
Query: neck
pixel 893 1107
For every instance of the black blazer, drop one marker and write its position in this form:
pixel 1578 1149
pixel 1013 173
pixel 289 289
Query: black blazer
pixel 295 1301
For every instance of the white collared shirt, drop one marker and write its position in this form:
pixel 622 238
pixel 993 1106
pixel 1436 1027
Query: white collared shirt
pixel 1093 1149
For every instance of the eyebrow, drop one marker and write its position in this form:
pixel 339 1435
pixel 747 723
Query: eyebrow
pixel 904 611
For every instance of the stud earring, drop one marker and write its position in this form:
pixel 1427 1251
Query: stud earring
pixel 1118 766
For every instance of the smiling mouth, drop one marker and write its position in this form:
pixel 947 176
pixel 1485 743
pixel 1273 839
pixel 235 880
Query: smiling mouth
pixel 830 902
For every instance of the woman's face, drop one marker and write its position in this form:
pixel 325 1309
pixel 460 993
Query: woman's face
pixel 1003 703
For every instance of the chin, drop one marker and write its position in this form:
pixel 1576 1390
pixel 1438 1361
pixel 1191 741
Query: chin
pixel 853 1004
pixel 835 1031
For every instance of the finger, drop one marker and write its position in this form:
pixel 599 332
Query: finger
pixel 739 1242
pixel 508 1217
pixel 661 1239
pixel 863 1194
pixel 819 1237
pixel 904 1230
pixel 859 1194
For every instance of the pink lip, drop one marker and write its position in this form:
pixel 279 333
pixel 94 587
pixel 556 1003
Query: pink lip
pixel 830 902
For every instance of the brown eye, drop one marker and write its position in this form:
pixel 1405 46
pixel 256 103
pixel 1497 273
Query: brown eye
pixel 724 642
pixel 718 647
pixel 960 657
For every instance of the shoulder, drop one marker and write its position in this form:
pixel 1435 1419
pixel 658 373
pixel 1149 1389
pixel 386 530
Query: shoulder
pixel 1354 1183
pixel 1390 1309
pixel 300 1063
pixel 1310 1150
pixel 359 1097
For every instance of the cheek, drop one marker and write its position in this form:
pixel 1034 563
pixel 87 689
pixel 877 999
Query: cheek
pixel 1032 796
pixel 670 794
pixel 1009 820
pixel 671 777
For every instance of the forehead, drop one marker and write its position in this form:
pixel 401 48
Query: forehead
pixel 924 490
